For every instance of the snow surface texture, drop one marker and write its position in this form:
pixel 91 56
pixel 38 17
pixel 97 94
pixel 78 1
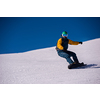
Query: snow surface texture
pixel 44 66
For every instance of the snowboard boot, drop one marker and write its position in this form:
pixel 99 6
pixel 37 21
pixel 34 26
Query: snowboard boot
pixel 75 65
pixel 81 64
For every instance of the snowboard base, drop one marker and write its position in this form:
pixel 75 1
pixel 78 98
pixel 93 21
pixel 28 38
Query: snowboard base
pixel 76 65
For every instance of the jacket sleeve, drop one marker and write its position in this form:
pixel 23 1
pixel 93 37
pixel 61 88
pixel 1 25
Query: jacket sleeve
pixel 59 44
pixel 73 42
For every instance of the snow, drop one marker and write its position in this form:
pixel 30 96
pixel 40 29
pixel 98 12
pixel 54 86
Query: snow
pixel 44 66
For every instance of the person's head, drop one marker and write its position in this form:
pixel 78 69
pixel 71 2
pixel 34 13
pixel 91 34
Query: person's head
pixel 64 34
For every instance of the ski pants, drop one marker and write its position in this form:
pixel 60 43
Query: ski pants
pixel 67 55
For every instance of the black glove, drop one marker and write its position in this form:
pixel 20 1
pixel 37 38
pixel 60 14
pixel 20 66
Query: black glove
pixel 80 42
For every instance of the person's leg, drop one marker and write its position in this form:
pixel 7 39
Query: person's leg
pixel 66 56
pixel 73 55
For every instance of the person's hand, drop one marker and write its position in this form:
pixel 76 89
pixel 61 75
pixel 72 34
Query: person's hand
pixel 80 42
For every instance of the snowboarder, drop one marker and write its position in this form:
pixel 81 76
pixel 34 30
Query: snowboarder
pixel 62 46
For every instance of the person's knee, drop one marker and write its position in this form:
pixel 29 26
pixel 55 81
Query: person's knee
pixel 73 54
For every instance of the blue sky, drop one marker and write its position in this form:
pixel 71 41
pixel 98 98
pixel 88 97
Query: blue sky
pixel 20 34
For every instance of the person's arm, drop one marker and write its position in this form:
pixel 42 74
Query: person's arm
pixel 59 44
pixel 73 42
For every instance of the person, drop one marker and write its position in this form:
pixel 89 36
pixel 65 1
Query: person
pixel 62 46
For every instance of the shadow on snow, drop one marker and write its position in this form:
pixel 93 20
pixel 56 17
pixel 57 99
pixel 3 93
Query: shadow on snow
pixel 88 66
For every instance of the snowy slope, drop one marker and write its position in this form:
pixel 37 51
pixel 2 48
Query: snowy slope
pixel 44 66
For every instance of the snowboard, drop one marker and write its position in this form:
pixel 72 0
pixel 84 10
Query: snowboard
pixel 76 65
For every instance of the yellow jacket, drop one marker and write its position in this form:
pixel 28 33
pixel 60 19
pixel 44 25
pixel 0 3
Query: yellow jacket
pixel 61 47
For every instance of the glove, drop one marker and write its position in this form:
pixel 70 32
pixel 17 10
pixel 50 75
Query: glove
pixel 80 42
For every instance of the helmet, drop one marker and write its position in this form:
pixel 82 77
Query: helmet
pixel 64 33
